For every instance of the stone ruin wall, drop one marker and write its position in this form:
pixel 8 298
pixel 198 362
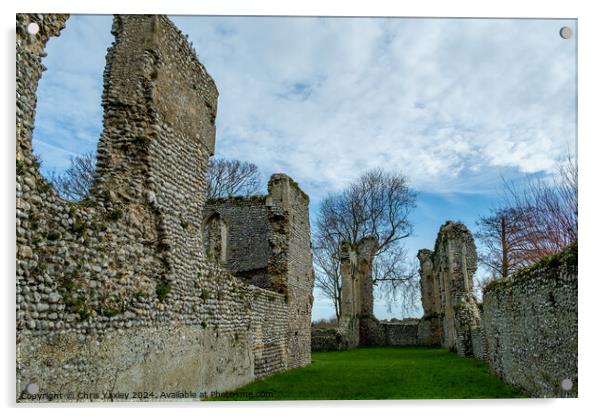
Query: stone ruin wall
pixel 529 330
pixel 245 219
pixel 446 283
pixel 356 290
pixel 526 327
pixel 450 308
pixel 268 245
pixel 295 261
pixel 114 293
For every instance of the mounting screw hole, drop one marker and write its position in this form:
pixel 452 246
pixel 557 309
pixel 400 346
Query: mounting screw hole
pixel 33 28
pixel 566 384
pixel 32 388
pixel 566 32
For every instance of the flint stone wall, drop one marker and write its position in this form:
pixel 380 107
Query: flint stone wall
pixel 530 326
pixel 329 339
pixel 290 265
pixel 526 327
pixel 247 247
pixel 400 334
pixel 114 293
pixel 429 331
pixel 395 334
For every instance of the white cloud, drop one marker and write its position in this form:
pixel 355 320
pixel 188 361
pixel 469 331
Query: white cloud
pixel 69 113
pixel 449 101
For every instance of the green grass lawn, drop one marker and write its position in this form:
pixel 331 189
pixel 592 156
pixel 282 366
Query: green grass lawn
pixel 381 373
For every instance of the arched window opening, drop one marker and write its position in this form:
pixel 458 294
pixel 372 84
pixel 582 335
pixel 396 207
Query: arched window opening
pixel 215 238
pixel 68 120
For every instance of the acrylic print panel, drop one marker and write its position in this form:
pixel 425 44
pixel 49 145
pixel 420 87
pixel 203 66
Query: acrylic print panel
pixel 295 208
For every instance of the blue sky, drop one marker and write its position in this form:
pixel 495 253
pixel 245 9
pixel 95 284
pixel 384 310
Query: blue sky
pixel 455 104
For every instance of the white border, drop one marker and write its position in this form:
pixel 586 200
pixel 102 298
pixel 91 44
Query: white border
pixel 589 32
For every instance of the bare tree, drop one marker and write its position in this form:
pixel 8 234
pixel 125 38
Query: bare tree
pixel 377 204
pixel 225 177
pixel 326 256
pixel 502 238
pixel 228 177
pixel 398 279
pixel 74 183
pixel 534 221
pixel 549 211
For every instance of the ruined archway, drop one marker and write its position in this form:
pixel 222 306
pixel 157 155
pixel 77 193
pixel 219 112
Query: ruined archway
pixel 215 238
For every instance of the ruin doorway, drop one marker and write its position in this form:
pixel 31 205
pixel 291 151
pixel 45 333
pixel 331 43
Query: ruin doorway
pixel 215 238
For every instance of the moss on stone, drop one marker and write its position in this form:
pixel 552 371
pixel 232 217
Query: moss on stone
pixel 567 257
pixel 53 235
pixel 77 304
pixel 33 221
pixel 20 167
pixel 79 227
pixel 296 187
pixel 110 312
pixel 40 268
pixel 114 215
pixel 163 289
pixel 43 185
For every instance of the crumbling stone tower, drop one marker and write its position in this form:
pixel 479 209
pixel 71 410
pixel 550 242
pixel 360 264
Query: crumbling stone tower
pixel 154 150
pixel 356 272
pixel 446 281
pixel 357 300
pixel 429 286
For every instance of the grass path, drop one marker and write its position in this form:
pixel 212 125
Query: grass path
pixel 381 373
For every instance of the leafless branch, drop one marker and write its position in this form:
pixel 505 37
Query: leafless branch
pixel 377 204
pixel 74 184
pixel 533 221
pixel 228 177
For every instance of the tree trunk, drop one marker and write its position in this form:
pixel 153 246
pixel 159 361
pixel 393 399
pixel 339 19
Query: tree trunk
pixel 504 249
